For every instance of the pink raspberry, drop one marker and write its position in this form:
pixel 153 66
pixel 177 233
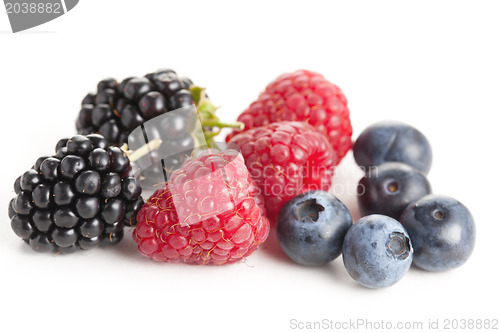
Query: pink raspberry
pixel 303 96
pixel 286 159
pixel 208 213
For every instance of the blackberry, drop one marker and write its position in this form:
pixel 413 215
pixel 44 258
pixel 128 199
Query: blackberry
pixel 78 198
pixel 121 112
pixel 118 108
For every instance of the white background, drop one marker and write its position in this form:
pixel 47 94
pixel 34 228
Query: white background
pixel 435 65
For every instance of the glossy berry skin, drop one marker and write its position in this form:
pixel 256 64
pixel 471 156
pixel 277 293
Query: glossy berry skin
pixel 303 96
pixel 311 228
pixel 377 251
pixel 286 159
pixel 390 141
pixel 118 108
pixel 67 201
pixel 389 188
pixel 442 230
pixel 208 213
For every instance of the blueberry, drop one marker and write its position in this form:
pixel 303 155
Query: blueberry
pixel 393 142
pixel 442 231
pixel 390 188
pixel 311 228
pixel 377 251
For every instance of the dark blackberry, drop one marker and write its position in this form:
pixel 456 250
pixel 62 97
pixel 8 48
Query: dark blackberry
pixel 76 199
pixel 118 108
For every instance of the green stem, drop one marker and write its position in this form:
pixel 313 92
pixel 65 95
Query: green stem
pixel 206 112
pixel 220 124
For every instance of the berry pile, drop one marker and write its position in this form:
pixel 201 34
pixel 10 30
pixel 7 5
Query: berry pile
pixel 213 205
pixel 208 213
pixel 441 229
pixel 434 232
pixel 118 108
pixel 76 199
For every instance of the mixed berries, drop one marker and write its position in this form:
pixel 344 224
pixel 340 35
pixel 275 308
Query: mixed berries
pixel 215 203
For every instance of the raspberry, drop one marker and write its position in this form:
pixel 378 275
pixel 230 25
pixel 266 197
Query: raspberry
pixel 303 96
pixel 77 199
pixel 286 159
pixel 208 213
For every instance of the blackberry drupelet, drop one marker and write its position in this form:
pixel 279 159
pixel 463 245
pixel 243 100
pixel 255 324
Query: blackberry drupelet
pixel 76 199
pixel 117 108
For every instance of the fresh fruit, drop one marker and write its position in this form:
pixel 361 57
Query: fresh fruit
pixel 311 228
pixel 75 199
pixel 390 141
pixel 139 110
pixel 118 108
pixel 442 231
pixel 303 96
pixel 389 188
pixel 286 159
pixel 208 213
pixel 377 251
